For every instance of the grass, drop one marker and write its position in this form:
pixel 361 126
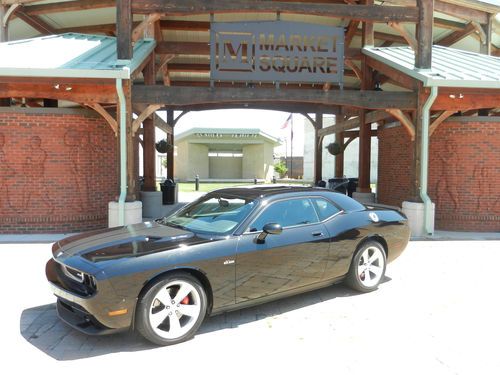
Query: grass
pixel 205 187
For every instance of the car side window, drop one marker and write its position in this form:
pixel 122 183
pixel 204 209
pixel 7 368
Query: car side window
pixel 287 213
pixel 325 208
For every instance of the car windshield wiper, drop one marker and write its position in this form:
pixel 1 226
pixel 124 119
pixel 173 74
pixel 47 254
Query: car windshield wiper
pixel 173 225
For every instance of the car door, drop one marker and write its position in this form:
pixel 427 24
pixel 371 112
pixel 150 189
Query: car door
pixel 282 262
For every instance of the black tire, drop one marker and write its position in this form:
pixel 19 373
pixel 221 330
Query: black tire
pixel 365 276
pixel 167 332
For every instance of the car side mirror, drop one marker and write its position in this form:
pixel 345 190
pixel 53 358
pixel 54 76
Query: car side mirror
pixel 269 228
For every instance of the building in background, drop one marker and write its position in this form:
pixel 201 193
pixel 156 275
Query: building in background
pixel 224 154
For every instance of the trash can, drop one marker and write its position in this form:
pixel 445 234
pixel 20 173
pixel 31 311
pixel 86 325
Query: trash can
pixel 338 184
pixel 168 188
pixel 352 186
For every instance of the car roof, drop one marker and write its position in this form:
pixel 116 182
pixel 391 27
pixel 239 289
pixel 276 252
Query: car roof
pixel 279 191
pixel 256 191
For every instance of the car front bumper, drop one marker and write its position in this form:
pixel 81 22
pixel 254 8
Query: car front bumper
pixel 89 314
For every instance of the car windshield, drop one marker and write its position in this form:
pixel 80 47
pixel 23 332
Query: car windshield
pixel 213 214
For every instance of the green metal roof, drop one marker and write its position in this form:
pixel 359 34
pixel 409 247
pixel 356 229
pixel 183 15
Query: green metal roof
pixel 70 55
pixel 450 67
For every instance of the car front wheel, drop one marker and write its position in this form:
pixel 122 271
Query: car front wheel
pixel 367 268
pixel 172 309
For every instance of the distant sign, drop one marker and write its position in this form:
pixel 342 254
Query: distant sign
pixel 276 51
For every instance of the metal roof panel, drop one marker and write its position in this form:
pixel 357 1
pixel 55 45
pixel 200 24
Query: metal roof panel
pixel 70 55
pixel 450 67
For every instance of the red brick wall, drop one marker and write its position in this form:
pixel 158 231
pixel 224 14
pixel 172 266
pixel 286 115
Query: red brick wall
pixel 464 173
pixel 57 171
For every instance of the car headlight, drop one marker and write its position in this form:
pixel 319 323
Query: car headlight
pixel 87 281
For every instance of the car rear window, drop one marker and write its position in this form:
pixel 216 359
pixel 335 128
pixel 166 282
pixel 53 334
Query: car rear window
pixel 346 203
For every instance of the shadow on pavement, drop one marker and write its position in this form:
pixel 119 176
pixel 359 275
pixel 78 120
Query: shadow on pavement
pixel 42 328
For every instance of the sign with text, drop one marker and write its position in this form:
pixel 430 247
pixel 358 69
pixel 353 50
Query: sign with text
pixel 276 51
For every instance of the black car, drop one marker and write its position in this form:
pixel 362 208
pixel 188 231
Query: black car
pixel 227 250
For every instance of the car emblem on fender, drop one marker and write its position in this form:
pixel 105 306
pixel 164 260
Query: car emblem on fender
pixel 374 217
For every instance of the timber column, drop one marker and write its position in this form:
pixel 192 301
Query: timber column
pixel 318 149
pixel 149 156
pixel 170 152
pixel 130 211
pixel 415 208
pixel 364 192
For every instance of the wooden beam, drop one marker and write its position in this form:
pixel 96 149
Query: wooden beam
pixel 78 93
pixel 351 30
pixel 404 120
pixel 459 99
pixel 206 96
pixel 146 27
pixel 106 115
pixel 456 36
pixel 185 25
pixel 354 67
pixel 68 6
pixel 150 109
pixel 395 75
pixel 423 53
pixel 203 49
pixel 442 116
pixel 464 9
pixel 385 36
pixel 35 22
pixel 367 36
pixel 124 30
pixel 357 12
pixel 353 123
pixel 410 39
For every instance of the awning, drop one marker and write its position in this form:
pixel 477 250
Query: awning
pixel 70 55
pixel 450 67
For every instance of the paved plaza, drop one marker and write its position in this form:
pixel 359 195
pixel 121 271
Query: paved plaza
pixel 436 313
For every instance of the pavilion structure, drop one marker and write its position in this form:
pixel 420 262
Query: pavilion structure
pixel 396 71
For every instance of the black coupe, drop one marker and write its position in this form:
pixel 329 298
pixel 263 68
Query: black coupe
pixel 227 250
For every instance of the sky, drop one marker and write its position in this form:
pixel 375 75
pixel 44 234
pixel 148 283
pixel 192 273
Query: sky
pixel 269 122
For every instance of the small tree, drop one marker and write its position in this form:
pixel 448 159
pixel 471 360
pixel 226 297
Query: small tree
pixel 280 168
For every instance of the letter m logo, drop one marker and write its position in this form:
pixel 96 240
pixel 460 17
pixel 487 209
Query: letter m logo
pixel 235 51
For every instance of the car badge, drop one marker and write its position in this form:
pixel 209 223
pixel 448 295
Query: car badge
pixel 374 217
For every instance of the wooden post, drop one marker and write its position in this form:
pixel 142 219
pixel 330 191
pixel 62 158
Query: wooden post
pixel 368 35
pixel 149 138
pixel 488 30
pixel 318 149
pixel 417 154
pixel 124 30
pixel 365 134
pixel 423 55
pixel 131 176
pixel 339 159
pixel 170 153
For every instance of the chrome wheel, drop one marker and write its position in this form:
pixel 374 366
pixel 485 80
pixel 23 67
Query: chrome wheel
pixel 175 309
pixel 371 266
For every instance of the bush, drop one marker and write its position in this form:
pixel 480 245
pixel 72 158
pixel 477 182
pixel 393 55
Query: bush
pixel 280 168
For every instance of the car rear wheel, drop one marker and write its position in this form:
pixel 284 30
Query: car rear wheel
pixel 172 309
pixel 367 268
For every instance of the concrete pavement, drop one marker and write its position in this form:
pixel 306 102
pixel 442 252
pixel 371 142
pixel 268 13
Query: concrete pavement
pixel 435 313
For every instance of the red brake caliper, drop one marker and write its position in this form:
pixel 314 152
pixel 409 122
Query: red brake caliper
pixel 185 300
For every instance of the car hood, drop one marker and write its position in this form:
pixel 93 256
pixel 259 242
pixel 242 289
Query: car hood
pixel 128 241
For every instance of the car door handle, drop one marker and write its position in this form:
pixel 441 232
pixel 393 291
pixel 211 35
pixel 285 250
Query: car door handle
pixel 317 234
